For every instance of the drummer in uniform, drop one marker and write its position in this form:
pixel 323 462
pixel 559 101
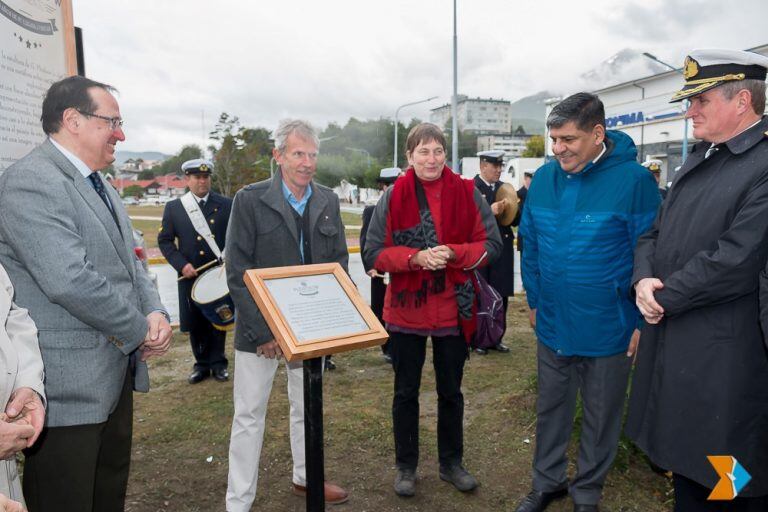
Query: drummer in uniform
pixel 187 250
pixel 501 273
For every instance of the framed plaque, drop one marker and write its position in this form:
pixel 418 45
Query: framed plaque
pixel 314 310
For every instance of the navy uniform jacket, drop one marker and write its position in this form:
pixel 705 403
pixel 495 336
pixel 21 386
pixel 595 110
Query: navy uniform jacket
pixel 501 273
pixel 180 243
pixel 700 385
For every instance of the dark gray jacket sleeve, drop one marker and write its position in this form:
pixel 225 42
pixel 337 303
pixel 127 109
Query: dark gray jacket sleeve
pixel 241 256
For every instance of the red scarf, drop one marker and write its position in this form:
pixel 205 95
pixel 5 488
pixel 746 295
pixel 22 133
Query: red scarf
pixel 459 216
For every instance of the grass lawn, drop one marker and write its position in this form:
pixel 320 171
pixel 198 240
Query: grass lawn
pixel 145 211
pixel 178 427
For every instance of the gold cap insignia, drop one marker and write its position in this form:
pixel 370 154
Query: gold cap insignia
pixel 203 167
pixel 690 68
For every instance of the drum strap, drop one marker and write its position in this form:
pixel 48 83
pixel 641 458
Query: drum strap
pixel 198 222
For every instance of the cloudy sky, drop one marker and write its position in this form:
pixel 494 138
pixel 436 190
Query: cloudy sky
pixel 176 62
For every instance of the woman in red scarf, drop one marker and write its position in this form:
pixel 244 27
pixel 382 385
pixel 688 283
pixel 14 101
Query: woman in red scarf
pixel 429 230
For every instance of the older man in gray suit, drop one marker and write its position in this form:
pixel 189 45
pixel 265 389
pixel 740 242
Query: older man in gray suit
pixel 287 220
pixel 66 243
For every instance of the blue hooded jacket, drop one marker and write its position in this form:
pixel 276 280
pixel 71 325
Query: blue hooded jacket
pixel 580 232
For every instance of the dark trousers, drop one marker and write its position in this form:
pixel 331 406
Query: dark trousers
pixel 602 382
pixel 207 342
pixel 449 354
pixel 691 496
pixel 82 468
pixel 378 292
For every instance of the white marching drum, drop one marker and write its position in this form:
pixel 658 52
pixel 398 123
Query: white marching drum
pixel 211 294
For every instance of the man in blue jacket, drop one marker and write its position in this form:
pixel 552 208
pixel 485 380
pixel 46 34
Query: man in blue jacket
pixel 583 214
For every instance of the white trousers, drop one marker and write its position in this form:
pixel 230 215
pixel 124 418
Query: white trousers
pixel 253 383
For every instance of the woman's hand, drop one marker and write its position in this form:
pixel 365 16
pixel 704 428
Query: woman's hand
pixel 433 258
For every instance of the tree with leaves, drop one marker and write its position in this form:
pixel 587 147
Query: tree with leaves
pixel 242 155
pixel 534 148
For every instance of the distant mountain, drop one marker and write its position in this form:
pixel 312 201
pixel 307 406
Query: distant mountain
pixel 624 66
pixel 627 65
pixel 529 112
pixel 122 156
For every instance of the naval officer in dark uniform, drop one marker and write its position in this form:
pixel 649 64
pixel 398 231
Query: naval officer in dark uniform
pixel 700 385
pixel 186 250
pixel 501 273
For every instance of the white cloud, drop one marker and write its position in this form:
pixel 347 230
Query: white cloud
pixel 328 61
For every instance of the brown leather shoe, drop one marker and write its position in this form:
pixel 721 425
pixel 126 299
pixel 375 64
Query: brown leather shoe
pixel 334 495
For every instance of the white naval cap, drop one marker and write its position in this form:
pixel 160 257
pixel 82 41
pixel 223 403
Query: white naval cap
pixel 197 166
pixel 708 68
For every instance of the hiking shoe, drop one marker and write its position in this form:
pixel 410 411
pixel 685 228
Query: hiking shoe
pixel 459 477
pixel 405 482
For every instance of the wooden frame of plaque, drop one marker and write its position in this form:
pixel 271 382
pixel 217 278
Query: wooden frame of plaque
pixel 297 342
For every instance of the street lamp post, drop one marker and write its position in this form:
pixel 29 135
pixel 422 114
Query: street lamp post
pixel 455 100
pixel 397 112
pixel 361 150
pixel 685 103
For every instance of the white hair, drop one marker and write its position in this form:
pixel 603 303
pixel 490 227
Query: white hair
pixel 297 127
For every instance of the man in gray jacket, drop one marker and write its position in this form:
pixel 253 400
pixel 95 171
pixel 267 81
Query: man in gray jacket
pixel 67 245
pixel 286 220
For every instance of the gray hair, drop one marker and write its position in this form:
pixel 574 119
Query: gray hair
pixel 298 127
pixel 755 87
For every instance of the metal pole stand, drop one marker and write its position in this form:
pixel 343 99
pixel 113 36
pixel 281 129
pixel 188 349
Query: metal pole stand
pixel 313 433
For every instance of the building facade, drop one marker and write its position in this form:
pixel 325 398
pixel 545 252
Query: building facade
pixel 481 115
pixel 642 110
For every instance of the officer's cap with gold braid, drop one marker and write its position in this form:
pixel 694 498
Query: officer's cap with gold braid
pixel 652 165
pixel 706 69
pixel 197 166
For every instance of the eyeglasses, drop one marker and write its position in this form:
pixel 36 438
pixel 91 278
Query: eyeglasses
pixel 114 122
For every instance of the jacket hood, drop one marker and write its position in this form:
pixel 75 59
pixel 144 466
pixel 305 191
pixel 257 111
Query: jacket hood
pixel 620 148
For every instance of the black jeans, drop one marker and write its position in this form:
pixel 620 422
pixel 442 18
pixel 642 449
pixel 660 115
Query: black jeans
pixel 691 496
pixel 449 354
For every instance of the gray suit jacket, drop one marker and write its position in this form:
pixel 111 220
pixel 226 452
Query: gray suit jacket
pixel 262 233
pixel 78 276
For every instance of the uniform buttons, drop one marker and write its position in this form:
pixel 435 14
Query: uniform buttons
pixel 202 253
pixel 211 221
pixel 199 238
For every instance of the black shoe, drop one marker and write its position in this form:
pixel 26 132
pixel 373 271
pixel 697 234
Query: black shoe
pixel 501 348
pixel 198 376
pixel 585 508
pixel 405 482
pixel 481 351
pixel 459 477
pixel 329 365
pixel 538 501
pixel 220 374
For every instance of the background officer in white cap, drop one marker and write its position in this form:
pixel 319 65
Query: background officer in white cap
pixel 386 178
pixel 700 385
pixel 186 250
pixel 501 273
pixel 654 167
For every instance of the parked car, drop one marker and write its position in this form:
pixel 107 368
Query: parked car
pixel 130 200
pixel 140 249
